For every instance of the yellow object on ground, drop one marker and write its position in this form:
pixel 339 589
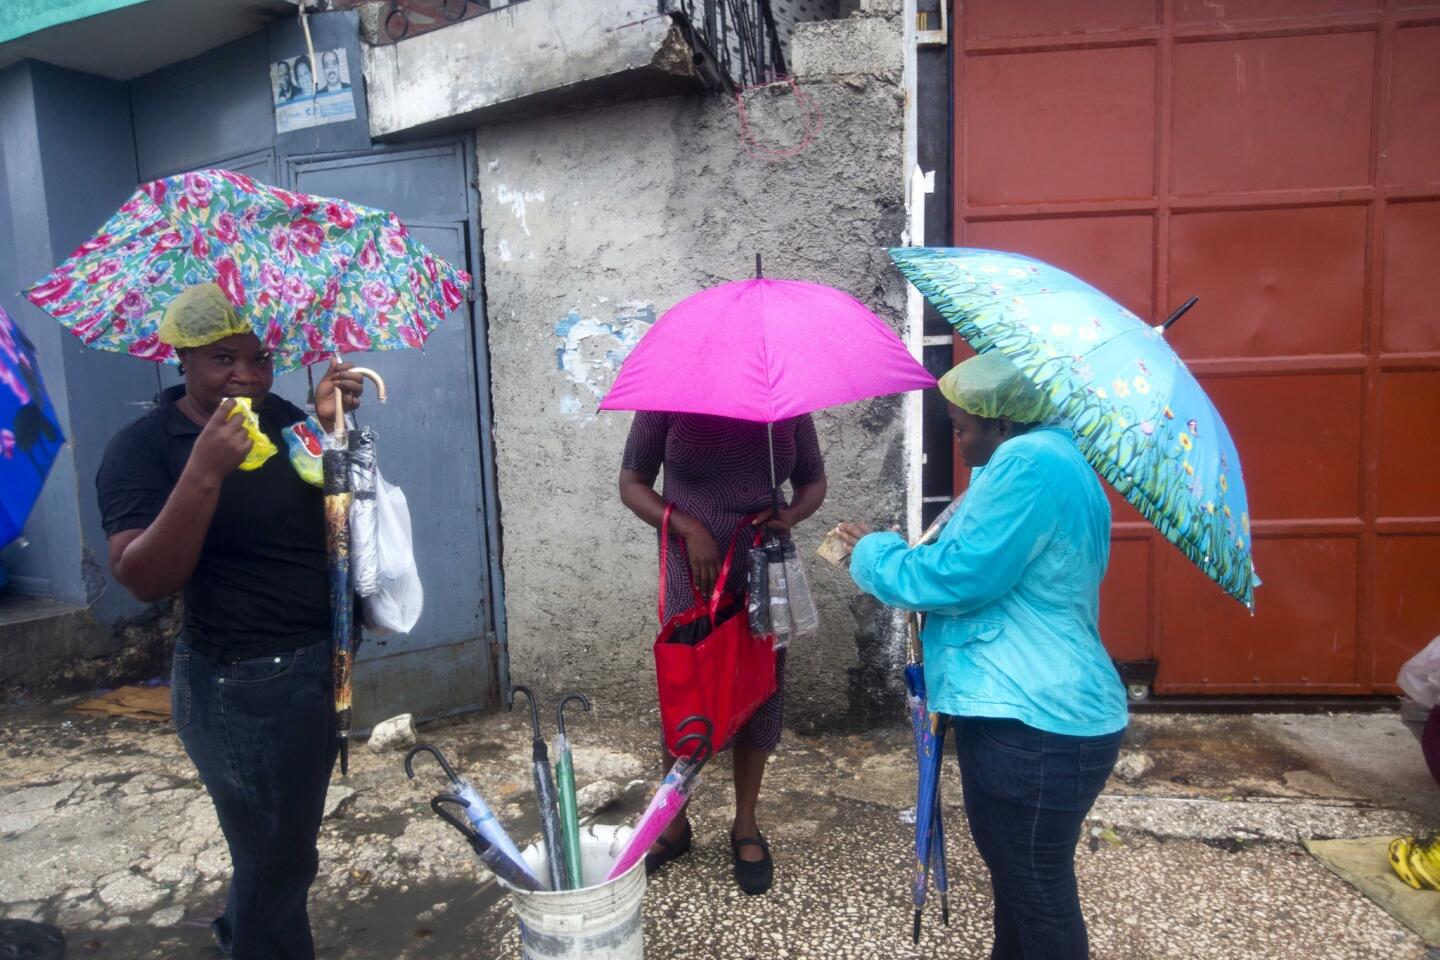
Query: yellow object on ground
pixel 1365 864
pixel 199 316
pixel 142 703
pixel 1417 862
pixel 263 449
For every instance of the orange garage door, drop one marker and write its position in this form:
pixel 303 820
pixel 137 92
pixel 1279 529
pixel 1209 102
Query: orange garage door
pixel 1281 160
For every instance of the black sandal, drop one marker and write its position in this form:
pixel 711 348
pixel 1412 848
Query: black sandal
pixel 753 876
pixel 669 850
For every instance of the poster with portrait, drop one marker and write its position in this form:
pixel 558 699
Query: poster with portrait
pixel 312 97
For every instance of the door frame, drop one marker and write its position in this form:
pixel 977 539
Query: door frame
pixel 496 634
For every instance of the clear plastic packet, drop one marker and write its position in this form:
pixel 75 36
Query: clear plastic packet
pixel 782 625
pixel 803 614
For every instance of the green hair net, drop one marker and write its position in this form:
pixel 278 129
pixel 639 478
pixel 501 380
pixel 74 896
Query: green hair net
pixel 990 386
pixel 200 316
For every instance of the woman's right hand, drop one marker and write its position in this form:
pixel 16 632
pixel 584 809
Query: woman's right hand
pixel 221 447
pixel 703 553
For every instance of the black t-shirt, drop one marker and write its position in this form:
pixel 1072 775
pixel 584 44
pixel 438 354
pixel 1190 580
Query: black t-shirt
pixel 260 586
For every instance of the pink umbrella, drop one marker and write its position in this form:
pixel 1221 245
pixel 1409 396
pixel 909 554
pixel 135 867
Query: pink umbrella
pixel 764 350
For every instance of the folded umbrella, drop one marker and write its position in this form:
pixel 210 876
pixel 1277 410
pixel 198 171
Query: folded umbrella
pixel 929 831
pixel 670 797
pixel 1136 412
pixel 929 731
pixel 30 439
pixel 545 794
pixel 483 823
pixel 565 790
pixel 511 871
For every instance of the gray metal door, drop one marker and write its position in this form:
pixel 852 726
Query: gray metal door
pixel 433 443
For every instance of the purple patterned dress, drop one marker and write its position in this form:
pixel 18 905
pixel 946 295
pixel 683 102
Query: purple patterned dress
pixel 717 470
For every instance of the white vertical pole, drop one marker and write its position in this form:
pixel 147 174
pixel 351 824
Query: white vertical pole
pixel 914 307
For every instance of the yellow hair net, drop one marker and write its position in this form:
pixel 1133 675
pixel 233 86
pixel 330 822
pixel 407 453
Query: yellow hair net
pixel 200 316
pixel 990 386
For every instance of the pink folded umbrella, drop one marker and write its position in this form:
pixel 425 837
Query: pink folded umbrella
pixel 764 350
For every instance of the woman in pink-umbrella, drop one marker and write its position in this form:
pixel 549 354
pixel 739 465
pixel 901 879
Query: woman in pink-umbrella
pixel 717 473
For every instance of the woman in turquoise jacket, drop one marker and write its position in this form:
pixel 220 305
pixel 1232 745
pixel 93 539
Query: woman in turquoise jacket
pixel 1012 647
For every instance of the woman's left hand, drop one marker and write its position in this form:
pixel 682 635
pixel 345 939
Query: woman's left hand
pixel 351 385
pixel 851 533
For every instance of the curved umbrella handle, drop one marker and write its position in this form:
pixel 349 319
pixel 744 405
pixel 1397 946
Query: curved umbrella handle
pixel 700 719
pixel 460 823
pixel 340 432
pixel 439 758
pixel 560 709
pixel 534 708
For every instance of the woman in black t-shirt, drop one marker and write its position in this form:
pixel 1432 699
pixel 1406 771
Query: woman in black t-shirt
pixel 251 687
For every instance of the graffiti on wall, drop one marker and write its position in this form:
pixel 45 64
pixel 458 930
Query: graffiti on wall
pixel 590 350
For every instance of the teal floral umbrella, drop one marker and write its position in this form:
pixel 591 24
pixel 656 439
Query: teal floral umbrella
pixel 313 276
pixel 1142 420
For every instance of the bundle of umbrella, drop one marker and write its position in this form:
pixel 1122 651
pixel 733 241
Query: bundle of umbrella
pixel 464 809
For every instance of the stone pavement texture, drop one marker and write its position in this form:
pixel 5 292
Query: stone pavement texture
pixel 1194 852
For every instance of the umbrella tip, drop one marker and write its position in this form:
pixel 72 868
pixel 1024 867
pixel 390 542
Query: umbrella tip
pixel 915 934
pixel 759 275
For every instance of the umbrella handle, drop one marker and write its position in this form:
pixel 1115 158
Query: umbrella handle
pixel 340 431
pixel 534 708
pixel 461 824
pixel 560 709
pixel 439 758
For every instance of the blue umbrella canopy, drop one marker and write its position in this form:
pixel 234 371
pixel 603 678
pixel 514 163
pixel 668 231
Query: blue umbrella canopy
pixel 1136 411
pixel 30 437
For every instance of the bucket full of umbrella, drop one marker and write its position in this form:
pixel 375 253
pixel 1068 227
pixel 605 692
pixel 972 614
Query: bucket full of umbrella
pixel 578 892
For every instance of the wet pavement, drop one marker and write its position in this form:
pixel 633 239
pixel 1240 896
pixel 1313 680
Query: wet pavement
pixel 1193 852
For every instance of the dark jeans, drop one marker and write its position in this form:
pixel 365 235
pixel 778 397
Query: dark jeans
pixel 262 734
pixel 1026 796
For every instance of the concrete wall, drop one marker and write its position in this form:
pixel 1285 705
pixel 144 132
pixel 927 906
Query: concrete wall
pixel 597 222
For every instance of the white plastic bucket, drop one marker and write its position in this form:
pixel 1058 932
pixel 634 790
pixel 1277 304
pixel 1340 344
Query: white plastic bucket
pixel 599 922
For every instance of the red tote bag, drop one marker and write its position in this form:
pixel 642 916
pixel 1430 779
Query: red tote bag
pixel 727 674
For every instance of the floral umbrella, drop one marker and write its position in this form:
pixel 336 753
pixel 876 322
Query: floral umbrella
pixel 1138 414
pixel 313 276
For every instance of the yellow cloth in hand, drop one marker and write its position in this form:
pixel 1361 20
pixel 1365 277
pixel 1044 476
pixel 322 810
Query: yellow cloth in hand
pixel 263 448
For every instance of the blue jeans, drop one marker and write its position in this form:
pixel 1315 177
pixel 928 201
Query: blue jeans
pixel 1027 793
pixel 261 733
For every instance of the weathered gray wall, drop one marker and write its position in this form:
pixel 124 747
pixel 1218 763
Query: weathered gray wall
pixel 597 222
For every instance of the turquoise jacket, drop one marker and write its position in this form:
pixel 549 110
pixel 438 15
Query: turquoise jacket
pixel 1012 592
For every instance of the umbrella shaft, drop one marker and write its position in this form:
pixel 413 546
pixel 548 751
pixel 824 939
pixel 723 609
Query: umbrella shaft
pixel 569 820
pixel 774 487
pixel 550 827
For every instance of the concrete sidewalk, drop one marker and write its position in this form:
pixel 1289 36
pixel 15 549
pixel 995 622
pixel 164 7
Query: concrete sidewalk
pixel 1194 852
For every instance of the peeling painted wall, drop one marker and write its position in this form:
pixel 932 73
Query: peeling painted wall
pixel 594 224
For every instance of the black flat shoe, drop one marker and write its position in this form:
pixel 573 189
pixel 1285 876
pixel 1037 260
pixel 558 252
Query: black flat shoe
pixel 754 877
pixel 669 850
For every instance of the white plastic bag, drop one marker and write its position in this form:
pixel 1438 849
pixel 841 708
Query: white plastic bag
pixel 1420 677
pixel 395 606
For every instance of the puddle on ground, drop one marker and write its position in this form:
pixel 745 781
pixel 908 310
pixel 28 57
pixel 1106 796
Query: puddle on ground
pixel 1212 753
